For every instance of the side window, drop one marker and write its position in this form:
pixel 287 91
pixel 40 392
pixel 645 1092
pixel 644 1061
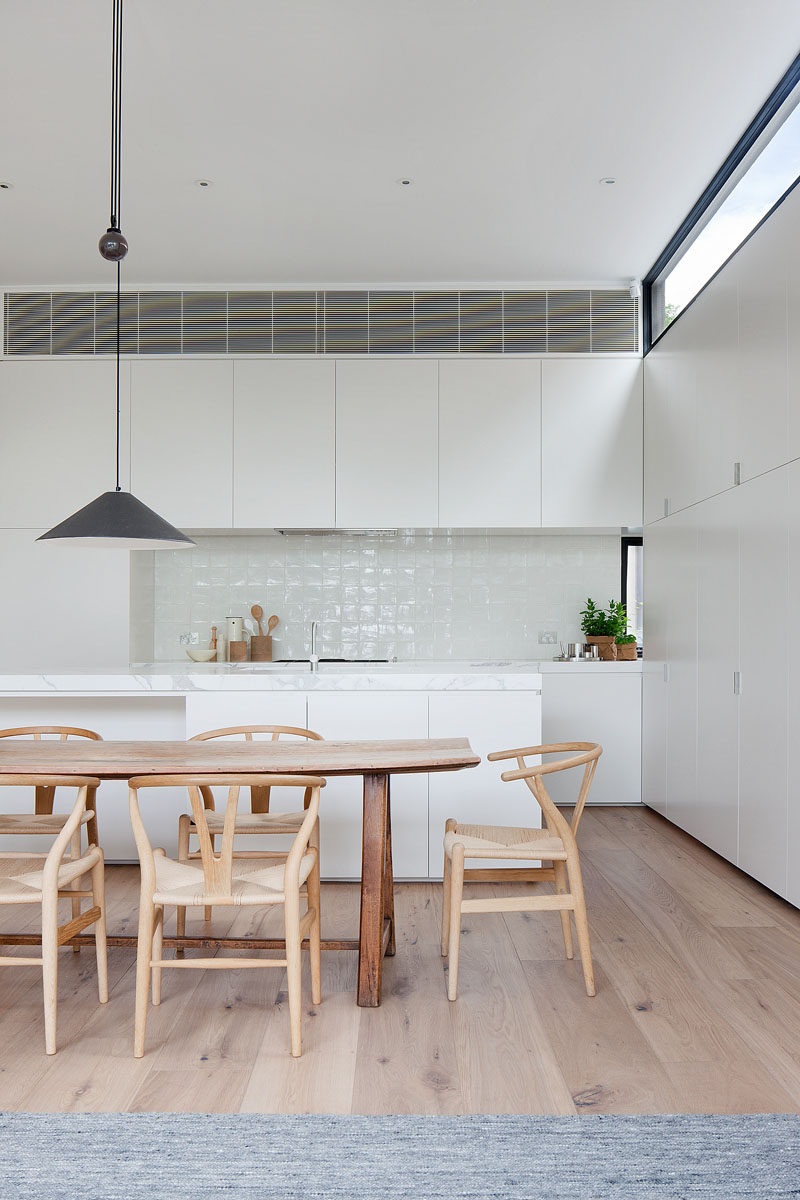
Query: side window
pixel 632 590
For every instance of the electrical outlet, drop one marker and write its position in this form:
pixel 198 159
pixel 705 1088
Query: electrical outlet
pixel 189 639
pixel 548 637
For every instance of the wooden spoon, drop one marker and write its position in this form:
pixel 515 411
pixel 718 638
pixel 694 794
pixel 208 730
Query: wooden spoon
pixel 273 621
pixel 257 612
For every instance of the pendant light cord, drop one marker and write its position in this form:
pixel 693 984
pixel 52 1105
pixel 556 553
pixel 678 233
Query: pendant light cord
pixel 116 173
pixel 116 115
pixel 119 306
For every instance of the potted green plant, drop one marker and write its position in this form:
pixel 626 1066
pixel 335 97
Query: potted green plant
pixel 626 647
pixel 603 627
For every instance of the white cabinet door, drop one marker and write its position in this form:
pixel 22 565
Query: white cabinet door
pixel 605 708
pixel 714 325
pixel 215 710
pixel 765 634
pixel 386 444
pixel 670 411
pixel 654 667
pixel 681 600
pixel 763 419
pixel 348 716
pixel 791 209
pixel 58 434
pixel 477 795
pixel 489 443
pixel 592 442
pixel 793 712
pixel 182 440
pixel 284 444
pixel 716 817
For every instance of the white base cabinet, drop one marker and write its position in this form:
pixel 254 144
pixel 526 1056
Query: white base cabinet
pixel 604 708
pixel 350 716
pixel 491 721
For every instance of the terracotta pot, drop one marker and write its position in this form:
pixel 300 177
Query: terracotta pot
pixel 606 646
pixel 626 652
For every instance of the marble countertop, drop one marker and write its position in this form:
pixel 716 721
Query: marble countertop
pixel 186 678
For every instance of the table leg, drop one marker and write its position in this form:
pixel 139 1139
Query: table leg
pixel 388 875
pixel 373 875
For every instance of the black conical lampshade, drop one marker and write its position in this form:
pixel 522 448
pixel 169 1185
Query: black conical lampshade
pixel 118 521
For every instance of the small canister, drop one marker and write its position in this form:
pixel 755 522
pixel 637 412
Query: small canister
pixel 237 651
pixel 234 629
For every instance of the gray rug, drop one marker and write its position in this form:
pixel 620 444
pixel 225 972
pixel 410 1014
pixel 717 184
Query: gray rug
pixel 152 1156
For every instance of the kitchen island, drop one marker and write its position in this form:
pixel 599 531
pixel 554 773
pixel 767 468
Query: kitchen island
pixel 495 705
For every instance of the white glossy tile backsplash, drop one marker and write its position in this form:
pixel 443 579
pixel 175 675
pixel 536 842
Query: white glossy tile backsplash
pixel 413 595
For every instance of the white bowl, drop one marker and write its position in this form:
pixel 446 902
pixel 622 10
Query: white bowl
pixel 196 654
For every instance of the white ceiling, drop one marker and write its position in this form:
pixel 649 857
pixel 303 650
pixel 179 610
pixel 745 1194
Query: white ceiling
pixel 305 113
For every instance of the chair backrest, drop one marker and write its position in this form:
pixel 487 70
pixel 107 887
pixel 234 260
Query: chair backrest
pixel 44 796
pixel 259 796
pixel 583 754
pixel 218 866
pixel 59 846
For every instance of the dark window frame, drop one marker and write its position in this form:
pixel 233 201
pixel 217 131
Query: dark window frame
pixel 755 129
pixel 624 546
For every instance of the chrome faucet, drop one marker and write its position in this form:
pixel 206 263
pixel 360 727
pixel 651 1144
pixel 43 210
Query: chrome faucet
pixel 313 657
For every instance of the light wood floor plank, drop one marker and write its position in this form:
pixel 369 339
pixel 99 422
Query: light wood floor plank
pixel 406 1050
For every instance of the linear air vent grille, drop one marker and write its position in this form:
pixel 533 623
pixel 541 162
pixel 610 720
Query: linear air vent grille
pixel 579 321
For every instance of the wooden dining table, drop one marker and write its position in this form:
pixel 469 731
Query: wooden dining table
pixel 375 761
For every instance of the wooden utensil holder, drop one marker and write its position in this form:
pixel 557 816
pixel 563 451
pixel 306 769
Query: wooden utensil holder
pixel 237 651
pixel 260 648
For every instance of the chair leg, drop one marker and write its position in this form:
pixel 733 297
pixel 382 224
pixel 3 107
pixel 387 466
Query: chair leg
pixel 183 856
pixel 207 913
pixel 563 890
pixel 158 953
pixel 99 901
pixel 143 956
pixel 582 925
pixel 75 851
pixel 293 970
pixel 50 969
pixel 314 901
pixel 449 827
pixel 456 894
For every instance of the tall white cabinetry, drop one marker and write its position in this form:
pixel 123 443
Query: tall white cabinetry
pixel 490 443
pixel 58 433
pixel 284 443
pixel 386 443
pixel 182 440
pixel 591 443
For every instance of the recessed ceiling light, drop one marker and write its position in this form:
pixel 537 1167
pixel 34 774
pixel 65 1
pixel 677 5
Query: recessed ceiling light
pixel 609 179
pixel 404 182
pixel 6 186
pixel 203 183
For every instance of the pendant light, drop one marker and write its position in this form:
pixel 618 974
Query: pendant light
pixel 117 520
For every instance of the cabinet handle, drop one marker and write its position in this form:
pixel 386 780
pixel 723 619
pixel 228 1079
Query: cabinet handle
pixel 666 506
pixel 666 672
pixel 737 683
pixel 737 474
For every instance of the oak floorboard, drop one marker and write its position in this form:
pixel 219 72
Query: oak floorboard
pixel 506 1060
pixel 607 1063
pixel 716 899
pixel 668 917
pixel 322 1080
pixel 767 1017
pixel 723 1088
pixel 406 1049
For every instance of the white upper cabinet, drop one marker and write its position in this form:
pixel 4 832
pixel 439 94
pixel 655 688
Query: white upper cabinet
pixel 57 448
pixel 386 443
pixel 714 331
pixel 670 408
pixel 763 419
pixel 591 442
pixel 284 444
pixel 489 443
pixel 182 440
